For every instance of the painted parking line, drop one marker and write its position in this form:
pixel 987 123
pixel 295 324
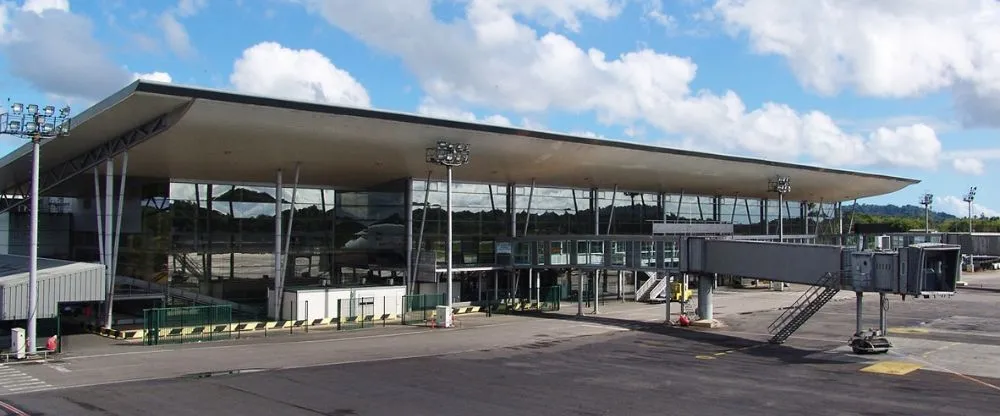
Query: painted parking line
pixel 907 330
pixel 13 380
pixel 895 368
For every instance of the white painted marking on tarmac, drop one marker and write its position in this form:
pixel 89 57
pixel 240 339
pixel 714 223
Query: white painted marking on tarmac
pixel 605 327
pixel 59 368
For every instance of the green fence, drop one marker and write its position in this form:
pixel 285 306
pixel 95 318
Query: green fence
pixel 551 297
pixel 187 324
pixel 418 309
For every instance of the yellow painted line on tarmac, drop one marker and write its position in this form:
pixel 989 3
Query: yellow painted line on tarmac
pixel 908 330
pixel 928 353
pixel 896 368
pixel 704 357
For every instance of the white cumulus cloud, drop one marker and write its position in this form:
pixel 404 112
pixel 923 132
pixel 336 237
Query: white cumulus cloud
pixel 40 6
pixel 492 59
pixel 270 69
pixel 956 206
pixel 431 108
pixel 155 76
pixel 968 165
pixel 889 48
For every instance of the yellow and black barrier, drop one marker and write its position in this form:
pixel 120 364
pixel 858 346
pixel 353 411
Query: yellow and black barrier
pixel 238 327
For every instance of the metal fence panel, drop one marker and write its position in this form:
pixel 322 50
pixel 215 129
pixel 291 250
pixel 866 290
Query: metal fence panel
pixel 418 309
pixel 186 324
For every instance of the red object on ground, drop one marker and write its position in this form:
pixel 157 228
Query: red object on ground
pixel 683 320
pixel 52 343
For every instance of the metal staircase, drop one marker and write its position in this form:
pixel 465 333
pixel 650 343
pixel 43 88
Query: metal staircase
pixel 654 289
pixel 804 308
pixel 642 294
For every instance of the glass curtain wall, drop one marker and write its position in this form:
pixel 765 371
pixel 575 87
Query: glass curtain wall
pixel 478 215
pixel 219 239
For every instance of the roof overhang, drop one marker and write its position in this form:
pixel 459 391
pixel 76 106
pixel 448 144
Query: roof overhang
pixel 234 138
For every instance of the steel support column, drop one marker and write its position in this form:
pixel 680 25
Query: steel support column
pixel 611 215
pixel 109 215
pixel 595 203
pixel 420 236
pixel 278 289
pixel 288 231
pixel 101 249
pixel 883 308
pixel 527 212
pixel 512 208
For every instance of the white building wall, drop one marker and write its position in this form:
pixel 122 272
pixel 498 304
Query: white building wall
pixel 322 302
pixel 75 282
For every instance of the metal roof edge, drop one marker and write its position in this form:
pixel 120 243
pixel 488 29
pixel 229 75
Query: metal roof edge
pixel 237 98
pixel 83 117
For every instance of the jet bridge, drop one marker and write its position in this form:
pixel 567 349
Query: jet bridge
pixel 919 270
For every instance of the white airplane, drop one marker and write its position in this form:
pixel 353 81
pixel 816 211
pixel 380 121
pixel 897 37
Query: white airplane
pixel 379 237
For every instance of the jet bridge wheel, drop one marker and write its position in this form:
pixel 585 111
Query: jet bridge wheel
pixel 870 343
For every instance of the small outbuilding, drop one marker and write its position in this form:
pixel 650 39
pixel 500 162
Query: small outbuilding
pixel 59 281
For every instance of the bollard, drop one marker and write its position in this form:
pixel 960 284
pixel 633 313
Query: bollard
pixel 307 317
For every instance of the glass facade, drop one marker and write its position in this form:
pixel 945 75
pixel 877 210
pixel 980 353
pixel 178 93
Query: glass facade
pixel 484 214
pixel 219 239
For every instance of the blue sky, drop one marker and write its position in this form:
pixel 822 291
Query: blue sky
pixel 901 88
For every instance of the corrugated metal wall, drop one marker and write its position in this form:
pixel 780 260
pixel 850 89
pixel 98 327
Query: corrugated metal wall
pixel 986 245
pixel 79 282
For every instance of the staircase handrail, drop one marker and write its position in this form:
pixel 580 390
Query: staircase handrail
pixel 828 280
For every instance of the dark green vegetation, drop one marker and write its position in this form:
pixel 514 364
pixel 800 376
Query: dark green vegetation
pixel 911 217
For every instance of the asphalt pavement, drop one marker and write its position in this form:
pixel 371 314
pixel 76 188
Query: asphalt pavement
pixel 645 372
pixel 624 361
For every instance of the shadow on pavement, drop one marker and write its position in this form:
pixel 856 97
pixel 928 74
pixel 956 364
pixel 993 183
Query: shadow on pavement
pixel 723 342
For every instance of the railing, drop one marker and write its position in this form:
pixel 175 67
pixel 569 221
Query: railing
pixel 828 281
pixel 643 291
pixel 194 297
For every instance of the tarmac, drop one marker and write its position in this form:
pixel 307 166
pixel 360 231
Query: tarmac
pixel 622 361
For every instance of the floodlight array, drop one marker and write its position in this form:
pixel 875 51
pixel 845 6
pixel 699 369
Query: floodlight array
pixel 780 184
pixel 971 196
pixel 448 154
pixel 33 121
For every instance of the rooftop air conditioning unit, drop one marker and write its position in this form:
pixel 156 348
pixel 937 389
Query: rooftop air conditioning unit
pixel 883 242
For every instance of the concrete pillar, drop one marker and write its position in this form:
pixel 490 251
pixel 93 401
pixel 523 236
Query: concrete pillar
pixel 706 284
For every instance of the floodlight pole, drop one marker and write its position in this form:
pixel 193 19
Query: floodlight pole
pixel 781 185
pixel 33 248
pixel 35 123
pixel 926 200
pixel 449 241
pixel 969 197
pixel 449 155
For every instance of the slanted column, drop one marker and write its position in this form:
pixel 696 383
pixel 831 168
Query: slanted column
pixel 278 290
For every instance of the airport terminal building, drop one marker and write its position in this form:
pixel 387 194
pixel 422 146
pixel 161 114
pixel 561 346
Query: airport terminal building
pixel 225 196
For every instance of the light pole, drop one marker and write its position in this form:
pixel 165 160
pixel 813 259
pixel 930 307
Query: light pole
pixel 927 200
pixel 34 123
pixel 448 155
pixel 782 185
pixel 969 197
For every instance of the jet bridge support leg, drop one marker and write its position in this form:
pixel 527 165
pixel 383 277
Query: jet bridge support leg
pixel 873 341
pixel 706 286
